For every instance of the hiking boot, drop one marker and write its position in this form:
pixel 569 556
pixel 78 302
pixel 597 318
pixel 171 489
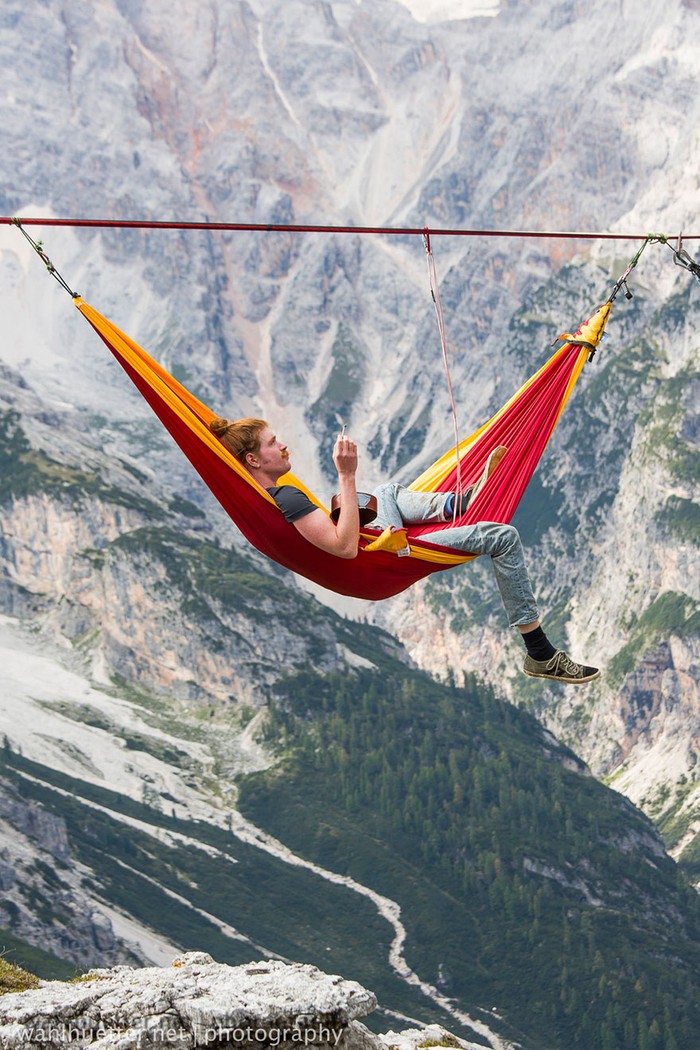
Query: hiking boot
pixel 561 668
pixel 491 464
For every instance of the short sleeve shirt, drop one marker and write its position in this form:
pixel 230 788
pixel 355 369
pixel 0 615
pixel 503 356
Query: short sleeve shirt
pixel 293 503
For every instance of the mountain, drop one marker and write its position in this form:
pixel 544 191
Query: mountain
pixel 525 116
pixel 337 804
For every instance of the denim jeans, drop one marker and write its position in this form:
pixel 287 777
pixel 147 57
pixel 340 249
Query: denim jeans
pixel 398 506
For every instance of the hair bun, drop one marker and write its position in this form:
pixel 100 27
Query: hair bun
pixel 219 426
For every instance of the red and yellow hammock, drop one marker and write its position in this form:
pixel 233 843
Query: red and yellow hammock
pixel 524 425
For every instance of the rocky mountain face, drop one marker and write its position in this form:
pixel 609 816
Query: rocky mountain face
pixel 43 901
pixel 358 113
pixel 434 840
pixel 527 116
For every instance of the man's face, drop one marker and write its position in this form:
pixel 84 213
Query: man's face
pixel 273 457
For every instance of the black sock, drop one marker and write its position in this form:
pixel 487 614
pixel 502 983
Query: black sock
pixel 538 644
pixel 462 504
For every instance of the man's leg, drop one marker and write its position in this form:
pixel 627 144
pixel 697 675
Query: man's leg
pixel 503 544
pixel 398 506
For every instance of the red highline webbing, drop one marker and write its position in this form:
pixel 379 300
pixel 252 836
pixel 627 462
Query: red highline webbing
pixel 148 224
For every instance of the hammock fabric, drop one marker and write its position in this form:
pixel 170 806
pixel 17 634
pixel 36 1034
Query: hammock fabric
pixel 524 425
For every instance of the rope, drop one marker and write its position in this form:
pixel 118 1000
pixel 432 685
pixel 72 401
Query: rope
pixel 146 224
pixel 435 293
pixel 36 245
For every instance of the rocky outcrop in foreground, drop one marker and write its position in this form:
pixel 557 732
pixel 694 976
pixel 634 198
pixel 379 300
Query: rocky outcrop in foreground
pixel 197 1002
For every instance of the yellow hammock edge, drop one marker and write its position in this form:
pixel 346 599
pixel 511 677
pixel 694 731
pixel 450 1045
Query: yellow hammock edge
pixel 183 403
pixel 590 334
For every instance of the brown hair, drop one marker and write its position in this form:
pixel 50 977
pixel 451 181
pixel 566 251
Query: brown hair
pixel 239 436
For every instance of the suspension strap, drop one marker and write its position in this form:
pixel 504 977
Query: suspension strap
pixel 36 245
pixel 435 293
pixel 622 281
pixel 619 284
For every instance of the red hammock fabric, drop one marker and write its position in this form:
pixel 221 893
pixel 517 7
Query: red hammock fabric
pixel 525 425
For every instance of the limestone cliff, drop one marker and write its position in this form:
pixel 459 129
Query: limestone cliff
pixel 355 113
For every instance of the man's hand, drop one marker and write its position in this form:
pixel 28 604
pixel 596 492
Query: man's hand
pixel 317 527
pixel 345 456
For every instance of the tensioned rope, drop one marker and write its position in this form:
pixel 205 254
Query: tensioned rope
pixel 681 256
pixel 153 224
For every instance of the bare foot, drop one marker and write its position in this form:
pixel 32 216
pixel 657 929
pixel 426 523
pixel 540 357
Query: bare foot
pixel 491 464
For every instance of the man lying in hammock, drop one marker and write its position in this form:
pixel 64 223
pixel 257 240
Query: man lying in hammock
pixel 266 458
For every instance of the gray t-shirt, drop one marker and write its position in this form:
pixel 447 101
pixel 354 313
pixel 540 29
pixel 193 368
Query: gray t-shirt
pixel 293 503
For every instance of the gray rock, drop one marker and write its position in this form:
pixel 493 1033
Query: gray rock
pixel 42 827
pixel 7 877
pixel 195 1002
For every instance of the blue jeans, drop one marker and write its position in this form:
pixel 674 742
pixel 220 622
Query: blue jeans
pixel 398 506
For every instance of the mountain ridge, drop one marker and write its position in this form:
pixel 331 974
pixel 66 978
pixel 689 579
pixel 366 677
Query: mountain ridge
pixel 537 117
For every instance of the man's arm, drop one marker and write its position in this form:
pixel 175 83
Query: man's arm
pixel 341 539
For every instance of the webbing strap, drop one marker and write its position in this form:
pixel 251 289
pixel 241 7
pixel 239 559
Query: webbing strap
pixel 36 245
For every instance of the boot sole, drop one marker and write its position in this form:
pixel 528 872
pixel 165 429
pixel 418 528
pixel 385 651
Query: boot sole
pixel 561 678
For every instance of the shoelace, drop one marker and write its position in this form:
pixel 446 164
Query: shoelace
pixel 561 661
